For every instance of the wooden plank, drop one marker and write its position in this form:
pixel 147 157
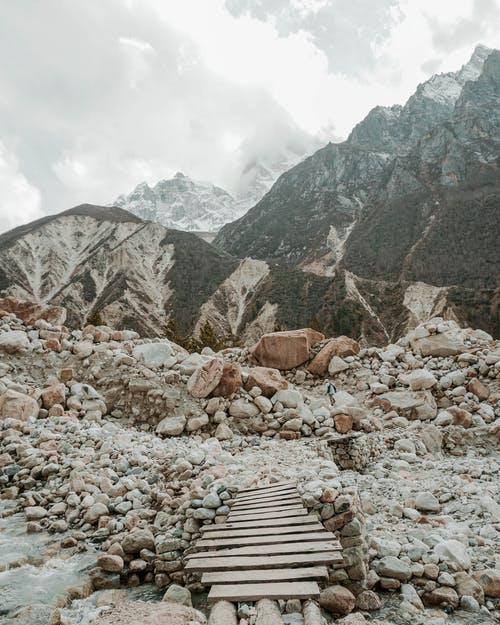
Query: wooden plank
pixel 229 563
pixel 268 504
pixel 265 575
pixel 292 529
pixel 266 487
pixel 263 515
pixel 263 498
pixel 268 494
pixel 262 550
pixel 301 519
pixel 284 509
pixel 272 590
pixel 264 540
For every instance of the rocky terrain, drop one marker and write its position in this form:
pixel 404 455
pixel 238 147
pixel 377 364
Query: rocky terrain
pixel 114 450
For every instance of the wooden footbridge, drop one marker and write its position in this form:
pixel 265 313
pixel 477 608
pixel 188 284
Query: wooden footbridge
pixel 270 547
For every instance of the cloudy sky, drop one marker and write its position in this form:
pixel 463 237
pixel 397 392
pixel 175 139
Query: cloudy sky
pixel 98 95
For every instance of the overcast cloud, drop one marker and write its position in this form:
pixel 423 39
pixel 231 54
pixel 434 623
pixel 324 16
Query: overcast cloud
pixel 97 96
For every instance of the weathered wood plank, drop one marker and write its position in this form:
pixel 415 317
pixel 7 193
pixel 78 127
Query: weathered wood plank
pixel 257 531
pixel 264 540
pixel 229 563
pixel 263 515
pixel 273 590
pixel 268 494
pixel 283 509
pixel 301 519
pixel 264 498
pixel 269 504
pixel 265 575
pixel 262 550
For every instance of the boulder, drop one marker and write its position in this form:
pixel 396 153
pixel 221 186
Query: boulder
pixel 341 346
pixel 14 341
pixel 155 355
pixel 268 380
pixel 223 432
pixel 490 582
pixel 206 378
pixel 442 596
pixel 338 600
pixel 460 416
pixel 54 394
pixel 285 350
pixel 454 553
pixel 30 312
pixel 178 594
pixel 110 563
pixel 466 585
pixel 391 566
pixel 242 409
pixel 343 423
pixel 368 601
pixel 444 344
pixel 14 405
pixel 337 364
pixel 410 404
pixel 419 380
pixel 480 390
pixel 427 502
pixel 230 381
pixel 137 540
pixel 171 426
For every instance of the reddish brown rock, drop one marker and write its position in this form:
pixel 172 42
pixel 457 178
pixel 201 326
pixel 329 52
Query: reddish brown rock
pixel 329 495
pixel 206 378
pixel 66 374
pixel 56 410
pixel 343 423
pixel 15 405
pixel 230 381
pixel 441 597
pixel 460 416
pixel 30 312
pixel 480 390
pixel 337 600
pixel 52 345
pixel 268 380
pixel 341 346
pixel 285 350
pixel 54 394
pixel 288 435
pixel 489 579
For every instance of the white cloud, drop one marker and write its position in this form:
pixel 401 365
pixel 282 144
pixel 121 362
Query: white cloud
pixel 136 90
pixel 20 201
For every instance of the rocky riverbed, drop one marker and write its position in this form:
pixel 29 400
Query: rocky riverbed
pixel 115 450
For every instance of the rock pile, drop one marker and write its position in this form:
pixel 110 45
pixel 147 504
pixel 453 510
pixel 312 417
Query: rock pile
pixel 131 445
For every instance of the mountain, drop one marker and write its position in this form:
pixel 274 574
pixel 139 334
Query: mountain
pixel 182 203
pixel 186 204
pixel 105 262
pixel 412 194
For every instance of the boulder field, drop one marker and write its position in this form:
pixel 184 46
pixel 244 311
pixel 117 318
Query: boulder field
pixel 122 448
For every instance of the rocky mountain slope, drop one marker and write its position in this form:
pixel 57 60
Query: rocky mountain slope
pixel 412 194
pixel 105 263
